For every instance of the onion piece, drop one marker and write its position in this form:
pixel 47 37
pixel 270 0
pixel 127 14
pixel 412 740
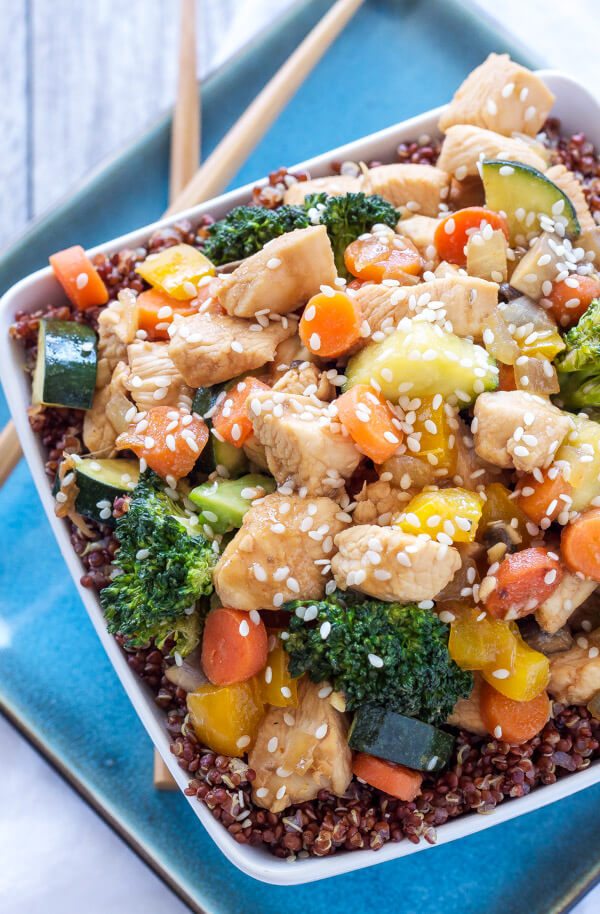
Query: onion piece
pixel 187 676
pixel 538 376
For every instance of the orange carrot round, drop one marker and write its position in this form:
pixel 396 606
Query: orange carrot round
pixel 382 256
pixel 571 297
pixel 543 499
pixel 79 278
pixel 452 234
pixel 231 418
pixel 330 324
pixel 510 720
pixel 156 310
pixel 523 581
pixel 170 443
pixel 368 420
pixel 580 544
pixel 234 645
pixel 393 779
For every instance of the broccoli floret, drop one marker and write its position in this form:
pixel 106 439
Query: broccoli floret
pixel 246 229
pixel 346 217
pixel 412 672
pixel 579 364
pixel 162 570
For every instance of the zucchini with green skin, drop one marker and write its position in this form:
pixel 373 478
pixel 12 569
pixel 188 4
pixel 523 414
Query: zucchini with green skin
pixel 399 739
pixel 224 502
pixel 65 370
pixel 99 482
pixel 217 453
pixel 517 190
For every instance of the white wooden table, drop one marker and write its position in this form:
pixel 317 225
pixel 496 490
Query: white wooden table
pixel 79 78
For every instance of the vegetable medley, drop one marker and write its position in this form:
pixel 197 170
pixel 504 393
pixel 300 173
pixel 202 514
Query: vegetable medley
pixel 349 451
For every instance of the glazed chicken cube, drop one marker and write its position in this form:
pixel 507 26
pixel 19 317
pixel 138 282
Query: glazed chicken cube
pixel 106 419
pixel 332 185
pixel 465 146
pixel 299 752
pixel 575 674
pixel 518 429
pixel 154 379
pixel 570 593
pixel 303 441
pixel 282 277
pixel 421 231
pixel 500 95
pixel 306 380
pixel 389 564
pixel 281 553
pixel 573 188
pixel 117 327
pixel 379 503
pixel 421 188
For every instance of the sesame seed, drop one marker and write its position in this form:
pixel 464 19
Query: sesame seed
pixel 325 630
pixel 273 263
pixel 281 792
pixel 501 674
pixel 244 629
pixel 262 792
pixel 375 661
pixel 498 732
pixel 321 732
pixel 315 342
pixel 272 744
pixel 243 741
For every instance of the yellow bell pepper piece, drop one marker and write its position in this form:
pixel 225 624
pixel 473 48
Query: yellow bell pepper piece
pixel 478 641
pixel 226 718
pixel 176 270
pixel 529 676
pixel 544 344
pixel 437 439
pixel 498 506
pixel 455 512
pixel 276 685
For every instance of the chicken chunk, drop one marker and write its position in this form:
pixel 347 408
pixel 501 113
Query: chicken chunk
pixel 570 593
pixel 154 379
pixel 500 95
pixel 465 146
pixel 298 753
pixel 389 564
pixel 106 419
pixel 575 674
pixel 466 714
pixel 208 349
pixel 117 327
pixel 280 553
pixel 304 442
pixel 421 230
pixel 306 380
pixel 468 303
pixel 471 471
pixel 379 503
pixel 332 185
pixel 281 277
pixel 589 240
pixel 569 184
pixel 421 188
pixel 518 429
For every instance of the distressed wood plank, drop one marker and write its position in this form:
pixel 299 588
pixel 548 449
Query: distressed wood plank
pixel 14 204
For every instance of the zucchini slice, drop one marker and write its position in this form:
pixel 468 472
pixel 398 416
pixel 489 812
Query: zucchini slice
pixel 65 371
pixel 100 482
pixel 400 739
pixel 224 503
pixel 518 190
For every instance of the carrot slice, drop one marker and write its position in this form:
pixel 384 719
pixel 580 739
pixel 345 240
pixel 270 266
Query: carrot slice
pixel 382 256
pixel 571 297
pixel 580 544
pixel 543 499
pixel 523 581
pixel 231 419
pixel 368 420
pixel 452 234
pixel 510 720
pixel 79 278
pixel 330 324
pixel 170 443
pixel 156 310
pixel 393 779
pixel 234 645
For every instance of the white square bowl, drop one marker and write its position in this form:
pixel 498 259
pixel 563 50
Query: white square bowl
pixel 578 110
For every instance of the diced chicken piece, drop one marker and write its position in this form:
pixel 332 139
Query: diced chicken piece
pixel 570 593
pixel 208 349
pixel 518 429
pixel 117 327
pixel 421 230
pixel 281 277
pixel 255 452
pixel 589 240
pixel 468 303
pixel 487 257
pixel 306 380
pixel 500 95
pixel 421 188
pixel 445 269
pixel 298 753
pixel 392 565
pixel 154 379
pixel 280 553
pixel 471 471
pixel 569 184
pixel 304 442
pixel 466 714
pixel 106 419
pixel 575 674
pixel 465 146
pixel 332 185
pixel 379 503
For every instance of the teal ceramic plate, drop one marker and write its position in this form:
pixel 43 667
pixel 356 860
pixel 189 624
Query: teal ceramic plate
pixel 396 59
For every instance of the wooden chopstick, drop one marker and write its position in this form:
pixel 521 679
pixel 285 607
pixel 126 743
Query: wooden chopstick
pixel 225 160
pixel 10 451
pixel 185 131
